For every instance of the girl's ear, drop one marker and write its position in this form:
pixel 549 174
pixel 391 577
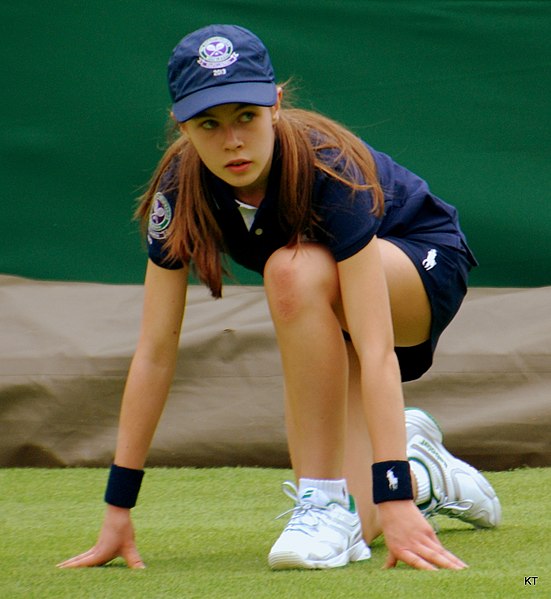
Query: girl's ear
pixel 180 126
pixel 277 106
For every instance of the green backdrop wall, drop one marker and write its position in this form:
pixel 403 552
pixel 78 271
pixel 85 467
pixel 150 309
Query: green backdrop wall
pixel 456 90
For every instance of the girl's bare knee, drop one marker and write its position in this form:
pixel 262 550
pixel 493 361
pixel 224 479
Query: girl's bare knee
pixel 294 278
pixel 284 285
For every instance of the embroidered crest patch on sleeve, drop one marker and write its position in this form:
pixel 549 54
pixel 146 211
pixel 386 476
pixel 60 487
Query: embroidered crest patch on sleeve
pixel 159 217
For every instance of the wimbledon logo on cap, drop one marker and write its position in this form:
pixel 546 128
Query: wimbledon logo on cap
pixel 216 53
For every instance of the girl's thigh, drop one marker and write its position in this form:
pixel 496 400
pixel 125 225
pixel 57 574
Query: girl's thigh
pixel 409 302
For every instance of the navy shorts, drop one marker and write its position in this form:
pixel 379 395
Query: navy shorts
pixel 444 271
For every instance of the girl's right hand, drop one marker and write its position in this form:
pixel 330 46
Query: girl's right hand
pixel 412 540
pixel 116 539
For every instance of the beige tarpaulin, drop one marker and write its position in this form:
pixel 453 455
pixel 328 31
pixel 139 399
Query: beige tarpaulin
pixel 65 350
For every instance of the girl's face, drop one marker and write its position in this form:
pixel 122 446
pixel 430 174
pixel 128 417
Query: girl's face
pixel 236 143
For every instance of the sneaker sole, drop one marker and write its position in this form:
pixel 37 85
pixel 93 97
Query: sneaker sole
pixel 428 427
pixel 288 560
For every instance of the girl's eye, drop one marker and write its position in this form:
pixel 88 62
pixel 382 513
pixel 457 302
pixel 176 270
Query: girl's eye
pixel 208 124
pixel 247 117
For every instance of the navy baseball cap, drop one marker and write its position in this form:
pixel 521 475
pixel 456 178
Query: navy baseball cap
pixel 219 64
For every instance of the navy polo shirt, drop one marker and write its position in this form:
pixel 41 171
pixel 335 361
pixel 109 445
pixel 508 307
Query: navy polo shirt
pixel 346 223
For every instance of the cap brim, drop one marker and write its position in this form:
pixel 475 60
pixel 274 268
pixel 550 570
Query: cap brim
pixel 258 93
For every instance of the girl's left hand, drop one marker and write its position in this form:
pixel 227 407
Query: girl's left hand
pixel 411 539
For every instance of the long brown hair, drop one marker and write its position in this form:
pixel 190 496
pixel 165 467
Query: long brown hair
pixel 306 139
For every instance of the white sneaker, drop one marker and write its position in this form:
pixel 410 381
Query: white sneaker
pixel 457 489
pixel 320 533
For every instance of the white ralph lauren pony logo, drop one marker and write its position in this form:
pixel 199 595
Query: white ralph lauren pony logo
pixel 392 480
pixel 430 261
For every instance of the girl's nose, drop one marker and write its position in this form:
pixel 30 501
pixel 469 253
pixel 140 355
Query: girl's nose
pixel 233 140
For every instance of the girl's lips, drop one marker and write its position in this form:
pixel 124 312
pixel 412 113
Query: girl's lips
pixel 238 166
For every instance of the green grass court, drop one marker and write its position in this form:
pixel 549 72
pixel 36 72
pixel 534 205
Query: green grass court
pixel 206 533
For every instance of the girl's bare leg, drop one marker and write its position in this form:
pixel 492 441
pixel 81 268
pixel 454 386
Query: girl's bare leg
pixel 321 370
pixel 327 426
pixel 302 289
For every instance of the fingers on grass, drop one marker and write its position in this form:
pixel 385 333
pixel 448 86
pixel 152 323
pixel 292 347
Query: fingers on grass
pixel 454 561
pixel 416 561
pixel 439 556
pixel 133 559
pixel 87 559
pixel 426 559
pixel 74 562
pixel 92 558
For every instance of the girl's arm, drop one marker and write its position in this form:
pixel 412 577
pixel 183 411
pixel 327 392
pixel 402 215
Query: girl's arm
pixel 143 401
pixel 367 311
pixel 153 365
pixel 408 536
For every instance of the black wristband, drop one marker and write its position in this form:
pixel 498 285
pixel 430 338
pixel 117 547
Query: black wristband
pixel 123 486
pixel 391 481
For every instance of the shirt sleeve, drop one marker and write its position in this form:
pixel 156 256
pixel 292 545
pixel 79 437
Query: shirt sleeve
pixel 347 222
pixel 160 217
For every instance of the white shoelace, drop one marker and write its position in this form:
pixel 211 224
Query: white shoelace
pixel 452 509
pixel 306 515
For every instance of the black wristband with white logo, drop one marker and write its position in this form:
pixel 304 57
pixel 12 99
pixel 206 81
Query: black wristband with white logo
pixel 391 481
